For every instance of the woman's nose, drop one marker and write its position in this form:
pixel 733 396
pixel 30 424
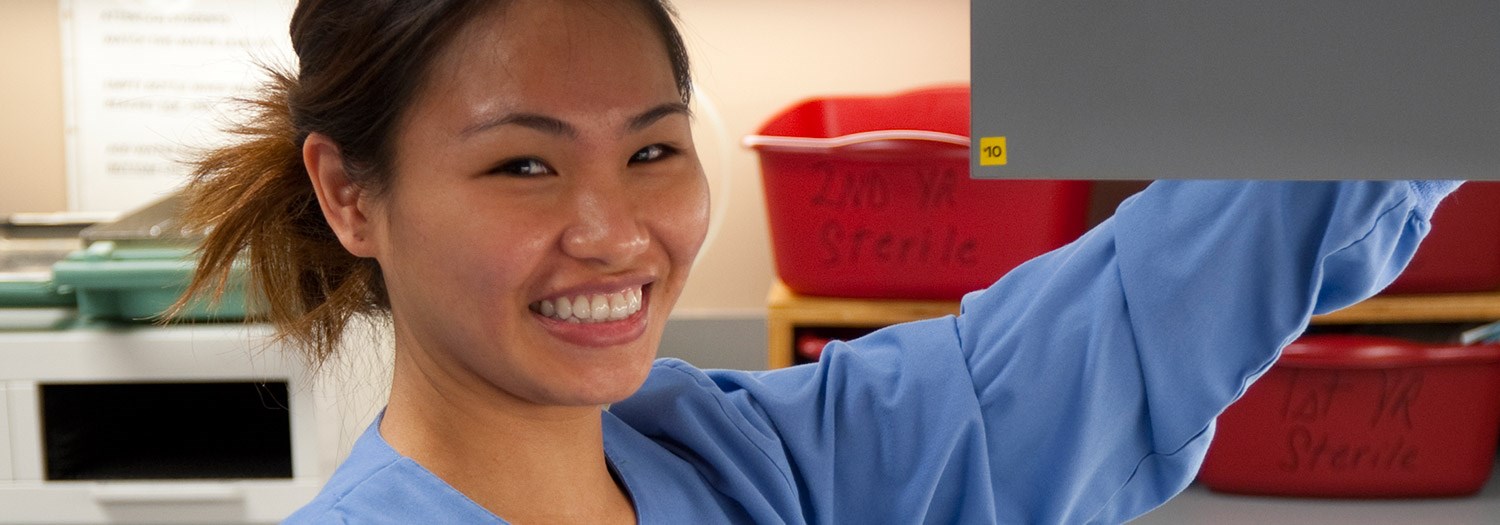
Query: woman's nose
pixel 605 230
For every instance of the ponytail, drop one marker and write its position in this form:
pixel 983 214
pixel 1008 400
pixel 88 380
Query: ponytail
pixel 254 197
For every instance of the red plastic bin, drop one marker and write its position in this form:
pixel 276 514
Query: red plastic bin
pixel 870 197
pixel 1462 253
pixel 1362 417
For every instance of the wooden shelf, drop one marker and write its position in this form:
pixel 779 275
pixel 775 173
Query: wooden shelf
pixel 835 311
pixel 1435 308
pixel 786 311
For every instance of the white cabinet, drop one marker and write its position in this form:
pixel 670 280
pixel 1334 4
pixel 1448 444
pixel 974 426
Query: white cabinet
pixel 161 443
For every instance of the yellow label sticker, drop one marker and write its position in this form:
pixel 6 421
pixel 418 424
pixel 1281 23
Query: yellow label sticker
pixel 992 151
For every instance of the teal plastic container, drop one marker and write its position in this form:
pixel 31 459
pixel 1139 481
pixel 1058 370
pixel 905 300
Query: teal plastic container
pixel 35 294
pixel 140 284
pixel 26 275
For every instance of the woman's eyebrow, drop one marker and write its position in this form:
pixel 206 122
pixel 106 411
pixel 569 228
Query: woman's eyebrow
pixel 554 126
pixel 657 113
pixel 534 121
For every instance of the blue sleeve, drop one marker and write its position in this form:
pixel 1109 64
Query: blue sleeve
pixel 1082 387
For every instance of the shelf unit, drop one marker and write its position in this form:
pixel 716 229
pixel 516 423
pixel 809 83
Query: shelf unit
pixel 787 311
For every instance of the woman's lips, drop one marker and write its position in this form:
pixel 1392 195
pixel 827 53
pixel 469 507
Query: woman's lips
pixel 594 333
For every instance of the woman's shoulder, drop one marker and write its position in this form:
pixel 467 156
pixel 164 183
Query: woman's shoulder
pixel 912 367
pixel 684 403
pixel 678 388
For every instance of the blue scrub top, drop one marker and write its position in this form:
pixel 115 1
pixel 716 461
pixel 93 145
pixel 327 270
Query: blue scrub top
pixel 1080 388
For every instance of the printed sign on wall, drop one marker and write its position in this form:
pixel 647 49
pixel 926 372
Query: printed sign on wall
pixel 149 81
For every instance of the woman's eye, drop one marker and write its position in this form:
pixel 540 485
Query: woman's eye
pixel 522 168
pixel 652 153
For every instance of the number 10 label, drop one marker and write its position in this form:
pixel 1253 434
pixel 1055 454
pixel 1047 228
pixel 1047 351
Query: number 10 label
pixel 992 151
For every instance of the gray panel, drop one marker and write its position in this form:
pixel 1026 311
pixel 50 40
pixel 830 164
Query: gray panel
pixel 1109 89
pixel 737 343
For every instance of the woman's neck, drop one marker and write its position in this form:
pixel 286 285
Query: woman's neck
pixel 522 461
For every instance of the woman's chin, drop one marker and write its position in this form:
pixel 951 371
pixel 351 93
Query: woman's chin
pixel 600 389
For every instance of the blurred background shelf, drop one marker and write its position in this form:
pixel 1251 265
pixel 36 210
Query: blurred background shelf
pixel 788 311
pixel 1426 308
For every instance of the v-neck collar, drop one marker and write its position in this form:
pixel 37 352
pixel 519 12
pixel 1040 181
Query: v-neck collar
pixel 617 467
pixel 619 463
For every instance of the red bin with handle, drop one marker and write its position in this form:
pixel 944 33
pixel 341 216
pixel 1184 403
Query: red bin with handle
pixel 1362 417
pixel 870 197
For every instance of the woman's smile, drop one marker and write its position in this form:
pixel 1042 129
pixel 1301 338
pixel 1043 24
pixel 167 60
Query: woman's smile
pixel 596 319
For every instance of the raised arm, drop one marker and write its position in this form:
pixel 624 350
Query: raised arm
pixel 1100 367
pixel 1081 387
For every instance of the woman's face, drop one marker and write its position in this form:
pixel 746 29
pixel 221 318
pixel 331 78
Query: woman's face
pixel 546 206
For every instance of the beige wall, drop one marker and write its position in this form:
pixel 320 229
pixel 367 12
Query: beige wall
pixel 752 58
pixel 31 108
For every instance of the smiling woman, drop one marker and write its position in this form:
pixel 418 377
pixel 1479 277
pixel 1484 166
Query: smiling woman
pixel 515 184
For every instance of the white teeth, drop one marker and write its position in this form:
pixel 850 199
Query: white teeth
pixel 591 308
pixel 618 306
pixel 600 307
pixel 581 308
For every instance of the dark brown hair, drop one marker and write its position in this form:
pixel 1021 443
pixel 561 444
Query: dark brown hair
pixel 360 64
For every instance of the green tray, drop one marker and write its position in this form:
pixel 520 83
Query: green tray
pixel 35 294
pixel 26 277
pixel 140 284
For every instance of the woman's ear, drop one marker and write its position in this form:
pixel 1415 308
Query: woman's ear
pixel 346 205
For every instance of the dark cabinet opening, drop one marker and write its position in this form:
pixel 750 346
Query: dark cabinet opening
pixel 115 431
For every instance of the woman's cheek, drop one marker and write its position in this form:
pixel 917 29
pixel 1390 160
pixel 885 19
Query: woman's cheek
pixel 689 203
